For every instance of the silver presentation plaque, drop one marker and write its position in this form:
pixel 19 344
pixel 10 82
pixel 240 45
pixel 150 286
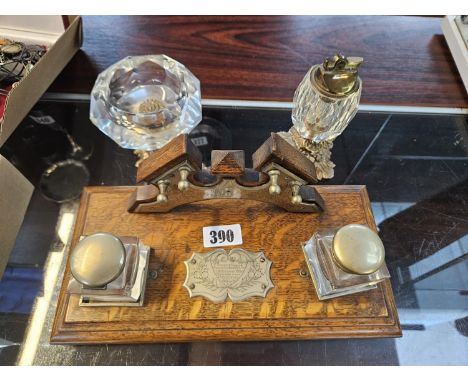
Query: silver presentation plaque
pixel 239 274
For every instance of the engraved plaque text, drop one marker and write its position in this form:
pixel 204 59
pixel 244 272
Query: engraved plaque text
pixel 239 274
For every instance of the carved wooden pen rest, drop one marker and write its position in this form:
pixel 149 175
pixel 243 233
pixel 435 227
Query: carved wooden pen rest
pixel 174 177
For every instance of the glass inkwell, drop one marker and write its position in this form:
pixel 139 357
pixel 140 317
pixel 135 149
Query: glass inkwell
pixel 345 260
pixel 107 270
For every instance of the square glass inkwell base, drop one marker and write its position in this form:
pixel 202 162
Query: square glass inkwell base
pixel 109 271
pixel 345 260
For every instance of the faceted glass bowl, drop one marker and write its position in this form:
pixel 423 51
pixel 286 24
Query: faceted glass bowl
pixel 143 102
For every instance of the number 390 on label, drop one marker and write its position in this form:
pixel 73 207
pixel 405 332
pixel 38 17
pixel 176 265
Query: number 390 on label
pixel 222 235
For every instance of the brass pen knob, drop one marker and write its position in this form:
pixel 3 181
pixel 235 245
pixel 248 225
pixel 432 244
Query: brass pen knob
pixel 358 249
pixel 162 185
pixel 296 197
pixel 274 188
pixel 183 184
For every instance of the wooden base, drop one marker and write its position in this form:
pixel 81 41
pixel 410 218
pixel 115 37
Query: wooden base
pixel 291 310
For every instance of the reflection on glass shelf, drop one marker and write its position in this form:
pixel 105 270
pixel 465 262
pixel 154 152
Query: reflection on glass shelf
pixel 385 210
pixel 439 259
pixel 416 174
pixel 438 343
pixel 19 287
pixel 431 335
pixel 53 272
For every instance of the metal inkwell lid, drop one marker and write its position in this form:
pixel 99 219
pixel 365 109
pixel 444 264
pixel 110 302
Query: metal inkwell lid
pixel 358 249
pixel 97 260
pixel 337 76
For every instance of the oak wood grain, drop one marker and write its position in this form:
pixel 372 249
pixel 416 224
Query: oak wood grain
pixel 229 163
pixel 291 310
pixel 178 150
pixel 406 58
pixel 276 149
pixel 142 194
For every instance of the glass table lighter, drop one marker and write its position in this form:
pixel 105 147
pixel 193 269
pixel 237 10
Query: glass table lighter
pixel 325 101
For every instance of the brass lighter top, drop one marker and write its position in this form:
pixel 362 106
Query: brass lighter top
pixel 338 75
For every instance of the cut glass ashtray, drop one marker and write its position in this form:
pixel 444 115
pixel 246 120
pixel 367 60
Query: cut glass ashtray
pixel 143 102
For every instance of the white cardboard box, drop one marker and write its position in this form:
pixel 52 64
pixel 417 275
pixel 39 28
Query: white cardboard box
pixel 62 43
pixel 63 37
pixel 15 193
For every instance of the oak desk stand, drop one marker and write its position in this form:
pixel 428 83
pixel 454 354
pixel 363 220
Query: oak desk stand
pixel 168 213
